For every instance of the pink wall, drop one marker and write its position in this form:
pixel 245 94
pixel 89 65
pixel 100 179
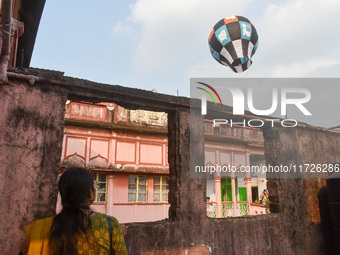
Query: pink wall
pixel 120 188
pixel 126 211
pixel 141 212
pixel 256 209
pixel 120 150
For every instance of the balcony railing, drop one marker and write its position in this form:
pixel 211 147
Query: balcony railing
pixel 236 209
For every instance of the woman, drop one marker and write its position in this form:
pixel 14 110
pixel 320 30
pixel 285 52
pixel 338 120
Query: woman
pixel 264 196
pixel 76 229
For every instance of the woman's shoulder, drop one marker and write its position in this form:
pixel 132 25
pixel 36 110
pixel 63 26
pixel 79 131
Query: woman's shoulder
pixel 101 217
pixel 40 225
pixel 41 221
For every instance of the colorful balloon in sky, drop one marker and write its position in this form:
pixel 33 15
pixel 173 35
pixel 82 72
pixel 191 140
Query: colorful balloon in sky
pixel 233 41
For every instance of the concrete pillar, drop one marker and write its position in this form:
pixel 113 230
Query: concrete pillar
pixel 112 158
pixel 233 195
pixel 88 149
pixel 248 182
pixel 185 132
pixel 218 197
pixel 109 194
pixel 31 135
pixel 249 195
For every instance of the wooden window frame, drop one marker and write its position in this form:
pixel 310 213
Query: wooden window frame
pixel 161 185
pixel 97 192
pixel 137 189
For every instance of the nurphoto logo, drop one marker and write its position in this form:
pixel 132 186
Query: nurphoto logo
pixel 280 98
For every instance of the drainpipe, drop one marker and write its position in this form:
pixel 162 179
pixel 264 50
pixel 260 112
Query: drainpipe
pixel 6 21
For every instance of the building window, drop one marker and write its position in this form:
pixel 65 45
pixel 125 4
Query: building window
pixel 160 189
pixel 255 194
pixel 101 187
pixel 137 188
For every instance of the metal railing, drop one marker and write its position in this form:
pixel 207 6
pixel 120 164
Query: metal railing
pixel 229 209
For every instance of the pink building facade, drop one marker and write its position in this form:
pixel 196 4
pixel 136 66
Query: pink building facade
pixel 127 153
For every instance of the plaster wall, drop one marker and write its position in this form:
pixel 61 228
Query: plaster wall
pixel 31 121
pixel 31 127
pixel 292 227
pixel 126 211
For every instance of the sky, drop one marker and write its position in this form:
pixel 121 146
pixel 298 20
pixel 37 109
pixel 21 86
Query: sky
pixel 161 44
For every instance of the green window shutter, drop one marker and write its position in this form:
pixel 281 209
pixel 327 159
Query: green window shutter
pixel 243 193
pixel 226 189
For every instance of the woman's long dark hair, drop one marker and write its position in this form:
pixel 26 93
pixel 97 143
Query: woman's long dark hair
pixel 74 187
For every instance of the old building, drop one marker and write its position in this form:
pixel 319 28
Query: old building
pixel 234 148
pixel 127 152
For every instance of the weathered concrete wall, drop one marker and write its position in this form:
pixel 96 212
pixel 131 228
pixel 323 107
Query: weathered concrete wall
pixel 31 126
pixel 294 226
pixel 149 117
pixel 188 227
pixel 296 200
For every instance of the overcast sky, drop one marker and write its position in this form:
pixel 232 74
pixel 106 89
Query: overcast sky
pixel 162 43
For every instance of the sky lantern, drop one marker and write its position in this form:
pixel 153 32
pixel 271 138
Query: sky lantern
pixel 233 42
